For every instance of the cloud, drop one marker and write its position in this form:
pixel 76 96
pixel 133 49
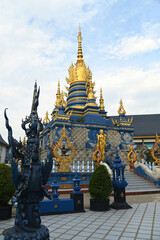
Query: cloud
pixel 139 89
pixel 134 45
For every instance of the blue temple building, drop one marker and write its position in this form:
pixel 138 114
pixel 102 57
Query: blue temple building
pixel 78 122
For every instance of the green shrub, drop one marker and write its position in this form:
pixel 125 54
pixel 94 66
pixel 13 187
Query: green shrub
pixel 7 188
pixel 100 184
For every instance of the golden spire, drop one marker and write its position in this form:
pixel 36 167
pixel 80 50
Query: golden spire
pixel 101 101
pixel 121 108
pixel 46 119
pixel 58 96
pixel 80 53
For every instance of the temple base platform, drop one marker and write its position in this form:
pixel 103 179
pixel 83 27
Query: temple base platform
pixel 57 206
pixel 65 181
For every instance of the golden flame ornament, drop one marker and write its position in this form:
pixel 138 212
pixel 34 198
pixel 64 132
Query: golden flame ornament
pixel 62 159
pixel 156 148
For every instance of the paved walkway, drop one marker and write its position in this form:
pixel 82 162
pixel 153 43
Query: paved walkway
pixel 140 222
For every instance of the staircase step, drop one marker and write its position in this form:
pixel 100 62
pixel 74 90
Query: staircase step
pixel 138 184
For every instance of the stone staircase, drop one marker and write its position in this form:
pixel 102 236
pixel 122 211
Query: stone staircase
pixel 138 184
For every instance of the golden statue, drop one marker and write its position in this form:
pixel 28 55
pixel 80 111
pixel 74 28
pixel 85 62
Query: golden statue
pixel 98 154
pixel 156 149
pixel 24 141
pixel 102 138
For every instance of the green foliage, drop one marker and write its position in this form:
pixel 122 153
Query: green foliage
pixel 100 184
pixel 148 154
pixel 7 188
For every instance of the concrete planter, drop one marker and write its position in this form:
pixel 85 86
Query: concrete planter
pixel 96 205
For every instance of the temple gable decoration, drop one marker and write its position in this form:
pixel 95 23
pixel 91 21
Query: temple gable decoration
pixel 64 152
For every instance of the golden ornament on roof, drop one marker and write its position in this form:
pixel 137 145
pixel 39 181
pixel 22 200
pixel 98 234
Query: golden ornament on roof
pixel 121 108
pixel 46 119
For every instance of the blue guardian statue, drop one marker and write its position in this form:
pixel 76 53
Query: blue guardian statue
pixel 31 180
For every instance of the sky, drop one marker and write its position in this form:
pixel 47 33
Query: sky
pixel 38 41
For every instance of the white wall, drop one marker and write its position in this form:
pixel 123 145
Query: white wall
pixel 3 150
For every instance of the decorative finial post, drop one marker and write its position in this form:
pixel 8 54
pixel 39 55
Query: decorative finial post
pixel 101 101
pixel 77 195
pixel 80 53
pixel 58 96
pixel 119 184
pixel 31 180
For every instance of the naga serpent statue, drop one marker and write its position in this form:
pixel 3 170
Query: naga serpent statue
pixel 31 180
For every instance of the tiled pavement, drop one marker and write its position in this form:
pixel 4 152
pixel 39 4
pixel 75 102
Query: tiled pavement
pixel 140 222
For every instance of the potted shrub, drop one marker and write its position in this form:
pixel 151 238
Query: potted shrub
pixel 100 188
pixel 7 190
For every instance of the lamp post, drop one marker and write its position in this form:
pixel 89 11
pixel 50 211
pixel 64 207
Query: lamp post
pixel 119 184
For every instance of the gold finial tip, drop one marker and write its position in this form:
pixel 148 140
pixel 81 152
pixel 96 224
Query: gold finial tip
pixel 101 91
pixel 121 109
pixel 79 28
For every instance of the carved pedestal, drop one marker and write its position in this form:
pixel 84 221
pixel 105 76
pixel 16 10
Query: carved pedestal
pixel 78 202
pixel 27 224
pixel 119 199
pixel 41 233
